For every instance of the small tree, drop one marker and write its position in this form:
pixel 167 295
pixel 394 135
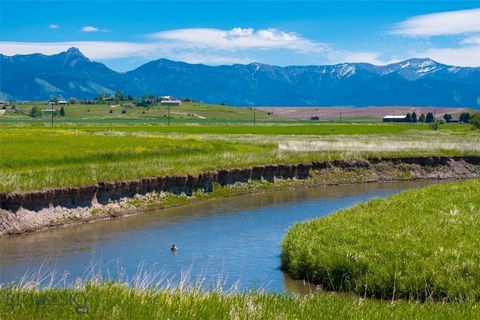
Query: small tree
pixel 55 100
pixel 429 118
pixel 414 117
pixel 475 120
pixel 447 117
pixel 434 125
pixel 35 112
pixel 408 117
pixel 62 111
pixel 464 117
pixel 118 96
pixel 422 118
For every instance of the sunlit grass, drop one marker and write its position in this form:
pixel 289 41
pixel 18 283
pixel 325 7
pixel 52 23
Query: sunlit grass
pixel 34 158
pixel 421 244
pixel 116 301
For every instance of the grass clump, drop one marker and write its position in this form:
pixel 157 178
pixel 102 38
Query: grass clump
pixel 418 245
pixel 117 301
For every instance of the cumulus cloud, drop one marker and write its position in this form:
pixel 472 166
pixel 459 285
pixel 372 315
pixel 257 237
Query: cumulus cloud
pixel 92 29
pixel 442 23
pixel 53 26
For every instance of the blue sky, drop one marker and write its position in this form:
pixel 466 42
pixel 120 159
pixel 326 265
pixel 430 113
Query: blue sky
pixel 125 34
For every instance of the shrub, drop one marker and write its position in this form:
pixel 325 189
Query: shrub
pixel 35 112
pixel 124 111
pixel 475 120
pixel 430 118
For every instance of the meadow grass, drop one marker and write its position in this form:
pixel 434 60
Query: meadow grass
pixel 421 244
pixel 37 157
pixel 187 112
pixel 117 301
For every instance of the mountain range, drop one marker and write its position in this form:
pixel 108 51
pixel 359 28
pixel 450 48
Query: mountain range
pixel 413 82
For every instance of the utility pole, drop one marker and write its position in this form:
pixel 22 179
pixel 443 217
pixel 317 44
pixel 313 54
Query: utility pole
pixel 169 114
pixel 52 114
pixel 340 116
pixel 254 117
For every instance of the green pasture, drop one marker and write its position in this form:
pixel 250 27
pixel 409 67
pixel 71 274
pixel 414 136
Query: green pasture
pixel 38 157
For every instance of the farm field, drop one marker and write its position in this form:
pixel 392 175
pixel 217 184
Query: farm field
pixel 39 157
pixel 204 113
pixel 127 113
pixel 362 114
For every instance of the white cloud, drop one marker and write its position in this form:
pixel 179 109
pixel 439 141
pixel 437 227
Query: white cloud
pixel 53 26
pixel 238 39
pixel 442 23
pixel 93 29
pixel 464 56
pixel 471 40
pixel 240 45
pixel 92 49
pixel 357 56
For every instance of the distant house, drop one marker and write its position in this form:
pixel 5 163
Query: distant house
pixel 63 102
pixel 399 118
pixel 171 102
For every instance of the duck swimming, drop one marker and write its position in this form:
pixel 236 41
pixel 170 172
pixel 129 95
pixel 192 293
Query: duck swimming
pixel 173 248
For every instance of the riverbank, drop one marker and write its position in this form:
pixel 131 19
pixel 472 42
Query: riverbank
pixel 32 211
pixel 421 244
pixel 117 301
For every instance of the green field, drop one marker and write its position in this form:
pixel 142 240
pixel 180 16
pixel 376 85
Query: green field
pixel 127 113
pixel 38 157
pixel 114 301
pixel 418 245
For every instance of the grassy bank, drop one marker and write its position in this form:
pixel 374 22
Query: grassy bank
pixel 35 158
pixel 421 244
pixel 114 301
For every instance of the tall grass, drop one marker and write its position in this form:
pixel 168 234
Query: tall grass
pixel 421 244
pixel 115 301
pixel 34 158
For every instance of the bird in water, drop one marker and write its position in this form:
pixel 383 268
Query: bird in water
pixel 173 248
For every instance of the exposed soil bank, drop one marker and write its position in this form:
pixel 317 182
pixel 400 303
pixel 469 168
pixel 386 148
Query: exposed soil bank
pixel 30 211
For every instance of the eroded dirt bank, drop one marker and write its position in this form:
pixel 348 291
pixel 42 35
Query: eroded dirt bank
pixel 30 211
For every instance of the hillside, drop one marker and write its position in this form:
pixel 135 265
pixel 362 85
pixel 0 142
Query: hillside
pixel 417 82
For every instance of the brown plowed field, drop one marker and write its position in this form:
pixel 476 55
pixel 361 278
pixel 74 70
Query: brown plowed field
pixel 330 113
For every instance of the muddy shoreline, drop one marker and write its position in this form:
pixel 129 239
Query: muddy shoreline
pixel 22 212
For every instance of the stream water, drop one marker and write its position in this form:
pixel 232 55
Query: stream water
pixel 227 242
